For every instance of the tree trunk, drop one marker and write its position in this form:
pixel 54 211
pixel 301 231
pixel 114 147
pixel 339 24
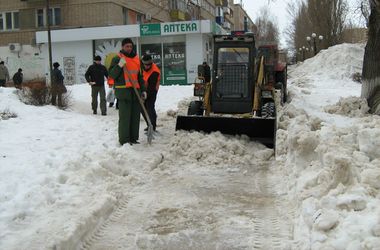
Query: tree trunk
pixel 371 61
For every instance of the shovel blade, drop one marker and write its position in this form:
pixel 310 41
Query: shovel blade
pixel 258 129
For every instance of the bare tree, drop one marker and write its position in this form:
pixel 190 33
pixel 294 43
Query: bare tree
pixel 361 12
pixel 371 61
pixel 327 18
pixel 267 29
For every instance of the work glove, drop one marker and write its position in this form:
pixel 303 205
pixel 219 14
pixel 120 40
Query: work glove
pixel 91 83
pixel 121 62
pixel 144 95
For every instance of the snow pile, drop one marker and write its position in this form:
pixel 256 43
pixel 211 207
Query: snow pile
pixel 336 63
pixel 351 106
pixel 218 150
pixel 332 159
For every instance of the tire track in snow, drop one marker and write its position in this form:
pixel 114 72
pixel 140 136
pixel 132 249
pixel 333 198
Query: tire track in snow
pixel 190 210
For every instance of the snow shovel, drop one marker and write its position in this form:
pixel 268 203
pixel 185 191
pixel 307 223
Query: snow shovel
pixel 149 123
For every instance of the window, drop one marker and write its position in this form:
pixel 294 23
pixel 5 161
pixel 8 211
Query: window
pixel 139 19
pixel 178 5
pixel 9 20
pixel 125 15
pixel 1 22
pixel 40 18
pixel 54 17
pixel 16 23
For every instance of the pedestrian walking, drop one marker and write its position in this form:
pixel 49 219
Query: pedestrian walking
pixel 4 74
pixel 95 76
pixel 151 75
pixel 57 86
pixel 18 78
pixel 125 70
pixel 207 72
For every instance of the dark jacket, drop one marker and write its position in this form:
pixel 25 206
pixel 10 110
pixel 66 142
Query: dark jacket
pixel 57 77
pixel 96 73
pixel 57 86
pixel 17 78
pixel 207 73
pixel 117 74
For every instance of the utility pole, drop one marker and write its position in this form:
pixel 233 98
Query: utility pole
pixel 47 16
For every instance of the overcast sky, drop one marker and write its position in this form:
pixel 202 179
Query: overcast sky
pixel 277 8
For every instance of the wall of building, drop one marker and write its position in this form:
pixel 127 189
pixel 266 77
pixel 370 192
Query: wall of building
pixel 92 14
pixel 30 59
pixel 74 58
pixel 195 55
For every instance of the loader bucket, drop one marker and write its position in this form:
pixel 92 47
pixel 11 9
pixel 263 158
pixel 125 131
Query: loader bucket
pixel 262 130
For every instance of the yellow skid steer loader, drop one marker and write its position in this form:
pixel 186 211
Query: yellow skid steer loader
pixel 238 100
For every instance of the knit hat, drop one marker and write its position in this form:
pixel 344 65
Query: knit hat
pixel 147 59
pixel 97 58
pixel 126 40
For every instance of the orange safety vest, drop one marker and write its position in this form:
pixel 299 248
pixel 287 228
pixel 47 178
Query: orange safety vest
pixel 146 75
pixel 132 66
pixel 110 81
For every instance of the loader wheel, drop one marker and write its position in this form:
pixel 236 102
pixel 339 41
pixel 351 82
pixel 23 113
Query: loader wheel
pixel 195 108
pixel 268 110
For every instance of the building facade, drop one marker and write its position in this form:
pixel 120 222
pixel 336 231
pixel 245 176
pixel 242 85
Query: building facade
pixel 23 24
pixel 242 21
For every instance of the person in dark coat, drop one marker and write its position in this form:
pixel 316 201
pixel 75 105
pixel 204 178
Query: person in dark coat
pixel 95 76
pixel 125 69
pixel 207 72
pixel 18 78
pixel 4 74
pixel 151 75
pixel 57 86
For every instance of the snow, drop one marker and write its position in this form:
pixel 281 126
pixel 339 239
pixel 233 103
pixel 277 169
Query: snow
pixel 63 174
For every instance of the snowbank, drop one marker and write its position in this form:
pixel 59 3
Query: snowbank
pixel 331 149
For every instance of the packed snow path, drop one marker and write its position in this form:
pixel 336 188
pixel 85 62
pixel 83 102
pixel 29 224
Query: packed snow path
pixel 190 205
pixel 236 212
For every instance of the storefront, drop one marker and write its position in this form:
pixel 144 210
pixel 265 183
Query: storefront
pixel 176 47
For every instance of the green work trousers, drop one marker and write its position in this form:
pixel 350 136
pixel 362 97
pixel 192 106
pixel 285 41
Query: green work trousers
pixel 129 120
pixel 95 90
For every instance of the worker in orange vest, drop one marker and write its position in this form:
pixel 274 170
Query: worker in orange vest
pixel 125 70
pixel 151 75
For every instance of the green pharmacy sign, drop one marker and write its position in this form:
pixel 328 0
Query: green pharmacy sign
pixel 180 28
pixel 153 29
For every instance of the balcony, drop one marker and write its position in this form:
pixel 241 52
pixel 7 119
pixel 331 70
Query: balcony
pixel 218 2
pixel 177 15
pixel 34 1
pixel 227 25
pixel 219 20
pixel 226 10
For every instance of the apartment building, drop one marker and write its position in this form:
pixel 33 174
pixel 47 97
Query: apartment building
pixel 242 21
pixel 224 14
pixel 178 33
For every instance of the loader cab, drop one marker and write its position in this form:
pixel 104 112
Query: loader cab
pixel 233 73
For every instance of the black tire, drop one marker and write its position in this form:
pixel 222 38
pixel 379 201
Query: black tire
pixel 268 110
pixel 195 108
pixel 285 95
